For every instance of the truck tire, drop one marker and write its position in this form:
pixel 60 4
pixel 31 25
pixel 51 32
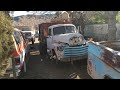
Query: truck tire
pixel 24 67
pixel 32 41
pixel 43 49
pixel 56 59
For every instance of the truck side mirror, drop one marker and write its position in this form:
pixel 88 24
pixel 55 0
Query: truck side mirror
pixel 47 36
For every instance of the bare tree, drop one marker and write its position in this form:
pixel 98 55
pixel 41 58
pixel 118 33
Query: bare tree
pixel 111 20
pixel 30 21
pixel 78 18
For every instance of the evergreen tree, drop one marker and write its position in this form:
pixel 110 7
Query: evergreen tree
pixel 6 41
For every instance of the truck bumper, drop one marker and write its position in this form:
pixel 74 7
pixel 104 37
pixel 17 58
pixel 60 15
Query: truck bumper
pixel 68 59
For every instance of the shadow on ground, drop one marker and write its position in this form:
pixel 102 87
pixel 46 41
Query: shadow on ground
pixel 43 68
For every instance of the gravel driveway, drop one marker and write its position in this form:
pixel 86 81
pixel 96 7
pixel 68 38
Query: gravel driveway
pixel 38 68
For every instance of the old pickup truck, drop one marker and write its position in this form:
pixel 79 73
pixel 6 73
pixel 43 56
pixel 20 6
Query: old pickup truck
pixel 63 42
pixel 104 60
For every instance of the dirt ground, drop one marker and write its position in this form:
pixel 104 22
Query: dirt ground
pixel 43 68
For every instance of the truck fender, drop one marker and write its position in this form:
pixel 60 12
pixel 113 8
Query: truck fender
pixel 54 49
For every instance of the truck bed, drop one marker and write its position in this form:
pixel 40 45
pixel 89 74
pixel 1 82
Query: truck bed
pixel 104 59
pixel 115 45
pixel 106 51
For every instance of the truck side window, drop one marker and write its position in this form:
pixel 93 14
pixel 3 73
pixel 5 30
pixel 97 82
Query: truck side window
pixel 21 36
pixel 49 32
pixel 17 37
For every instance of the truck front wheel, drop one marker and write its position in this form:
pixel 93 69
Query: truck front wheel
pixel 32 41
pixel 55 57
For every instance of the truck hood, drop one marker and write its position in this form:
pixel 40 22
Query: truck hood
pixel 65 38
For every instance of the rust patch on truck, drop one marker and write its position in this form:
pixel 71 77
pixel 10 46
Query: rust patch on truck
pixel 110 58
pixel 113 46
pixel 89 67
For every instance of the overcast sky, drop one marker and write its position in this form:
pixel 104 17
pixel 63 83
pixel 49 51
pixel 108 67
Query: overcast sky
pixel 19 13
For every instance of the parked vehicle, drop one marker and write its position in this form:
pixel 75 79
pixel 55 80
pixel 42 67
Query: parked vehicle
pixel 19 54
pixel 28 33
pixel 36 34
pixel 64 43
pixel 104 60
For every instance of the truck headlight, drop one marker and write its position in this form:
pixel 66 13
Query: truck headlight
pixel 80 39
pixel 60 48
pixel 71 42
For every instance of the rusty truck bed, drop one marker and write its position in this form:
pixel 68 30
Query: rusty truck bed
pixel 104 58
pixel 109 52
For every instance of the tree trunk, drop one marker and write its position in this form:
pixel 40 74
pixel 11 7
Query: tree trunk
pixel 111 20
pixel 77 18
pixel 82 23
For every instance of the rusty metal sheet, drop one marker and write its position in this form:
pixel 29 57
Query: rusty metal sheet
pixel 108 56
pixel 111 59
pixel 104 59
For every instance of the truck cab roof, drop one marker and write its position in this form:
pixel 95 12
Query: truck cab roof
pixel 26 31
pixel 57 25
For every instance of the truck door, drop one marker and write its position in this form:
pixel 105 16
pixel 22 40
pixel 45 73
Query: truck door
pixel 49 39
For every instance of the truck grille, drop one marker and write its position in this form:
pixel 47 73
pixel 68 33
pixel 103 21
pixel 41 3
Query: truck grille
pixel 76 51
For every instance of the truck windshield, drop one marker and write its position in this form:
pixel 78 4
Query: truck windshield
pixel 26 29
pixel 63 30
pixel 28 34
